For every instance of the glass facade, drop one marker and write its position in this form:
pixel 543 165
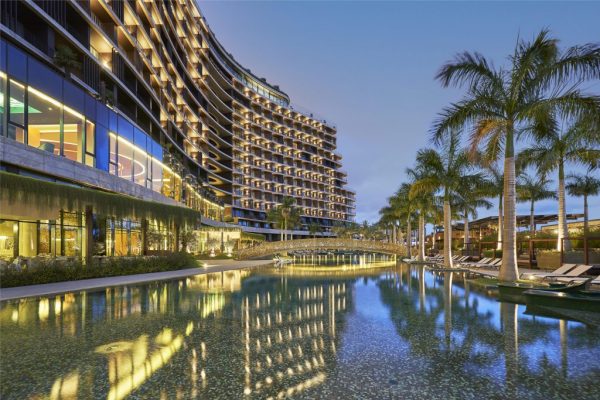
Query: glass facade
pixel 63 236
pixel 44 110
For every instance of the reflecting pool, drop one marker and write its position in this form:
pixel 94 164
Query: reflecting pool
pixel 376 330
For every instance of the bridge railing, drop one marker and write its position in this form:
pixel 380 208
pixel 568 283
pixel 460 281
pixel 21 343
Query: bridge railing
pixel 269 248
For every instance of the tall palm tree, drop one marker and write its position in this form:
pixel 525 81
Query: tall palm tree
pixel 403 201
pixel 532 189
pixel 471 196
pixel 425 206
pixel 554 147
pixel 583 186
pixel 503 104
pixel 285 215
pixel 445 171
pixel 495 188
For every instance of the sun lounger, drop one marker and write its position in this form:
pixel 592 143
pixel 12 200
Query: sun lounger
pixel 483 261
pixel 574 273
pixel 489 264
pixel 576 279
pixel 562 270
pixel 494 264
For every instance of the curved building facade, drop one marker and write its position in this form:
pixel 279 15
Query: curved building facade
pixel 139 98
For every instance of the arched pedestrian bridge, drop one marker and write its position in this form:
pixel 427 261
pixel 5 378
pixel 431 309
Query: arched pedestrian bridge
pixel 321 244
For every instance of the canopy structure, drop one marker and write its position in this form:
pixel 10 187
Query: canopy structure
pixel 522 221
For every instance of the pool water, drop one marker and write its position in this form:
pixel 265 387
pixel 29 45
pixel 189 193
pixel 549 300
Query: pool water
pixel 380 331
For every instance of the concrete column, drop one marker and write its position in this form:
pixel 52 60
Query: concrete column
pixel 89 237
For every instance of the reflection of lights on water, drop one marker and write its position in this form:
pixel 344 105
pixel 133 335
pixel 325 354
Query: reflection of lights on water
pixel 44 309
pixel 65 388
pixel 15 316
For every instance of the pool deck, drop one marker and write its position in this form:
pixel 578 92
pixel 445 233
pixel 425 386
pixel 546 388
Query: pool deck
pixel 49 289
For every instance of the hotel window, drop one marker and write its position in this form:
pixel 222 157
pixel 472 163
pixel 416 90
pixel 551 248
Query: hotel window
pixel 90 144
pixel 125 159
pixel 16 114
pixel 73 125
pixel 2 100
pixel 44 118
pixel 112 161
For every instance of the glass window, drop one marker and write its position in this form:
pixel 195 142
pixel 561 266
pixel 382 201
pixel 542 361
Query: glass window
pixel 44 118
pixel 157 176
pixel 16 117
pixel 73 135
pixel 90 143
pixel 139 167
pixel 136 238
pixel 2 98
pixel 7 240
pixel 125 159
pixel 113 153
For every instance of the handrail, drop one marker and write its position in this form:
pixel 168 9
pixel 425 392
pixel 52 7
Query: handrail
pixel 269 248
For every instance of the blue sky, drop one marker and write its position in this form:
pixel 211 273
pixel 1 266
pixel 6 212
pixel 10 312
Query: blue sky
pixel 369 66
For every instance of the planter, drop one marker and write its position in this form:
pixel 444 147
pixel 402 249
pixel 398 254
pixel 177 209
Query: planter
pixel 578 257
pixel 548 260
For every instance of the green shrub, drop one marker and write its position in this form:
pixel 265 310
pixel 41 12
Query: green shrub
pixel 492 253
pixel 60 271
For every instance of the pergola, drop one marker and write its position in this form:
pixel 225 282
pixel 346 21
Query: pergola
pixel 522 221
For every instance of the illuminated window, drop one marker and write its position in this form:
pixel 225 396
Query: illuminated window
pixel 2 98
pixel 16 115
pixel 90 144
pixel 125 159
pixel 112 167
pixel 44 115
pixel 73 125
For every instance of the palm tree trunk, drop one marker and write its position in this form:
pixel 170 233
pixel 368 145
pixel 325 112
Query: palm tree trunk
pixel 532 219
pixel 586 228
pixel 400 237
pixel 500 224
pixel 563 231
pixel 421 237
pixel 408 237
pixel 447 233
pixel 467 238
pixel 509 270
pixel 285 235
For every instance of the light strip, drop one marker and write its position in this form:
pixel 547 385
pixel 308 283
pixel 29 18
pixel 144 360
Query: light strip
pixel 43 96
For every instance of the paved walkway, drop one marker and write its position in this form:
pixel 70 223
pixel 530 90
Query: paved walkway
pixel 49 289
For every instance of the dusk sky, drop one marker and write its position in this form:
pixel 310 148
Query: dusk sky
pixel 370 66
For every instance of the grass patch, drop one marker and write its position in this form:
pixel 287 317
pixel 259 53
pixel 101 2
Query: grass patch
pixel 60 271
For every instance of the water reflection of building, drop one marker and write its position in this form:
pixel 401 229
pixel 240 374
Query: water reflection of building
pixel 289 335
pixel 214 335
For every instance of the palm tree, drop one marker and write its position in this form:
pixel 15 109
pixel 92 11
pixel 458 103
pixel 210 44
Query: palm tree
pixel 533 189
pixel 406 209
pixel 554 148
pixel 470 197
pixel 503 104
pixel 388 220
pixel 583 186
pixel 424 204
pixel 313 229
pixel 495 188
pixel 285 215
pixel 446 171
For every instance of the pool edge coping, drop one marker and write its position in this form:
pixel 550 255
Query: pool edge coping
pixel 57 288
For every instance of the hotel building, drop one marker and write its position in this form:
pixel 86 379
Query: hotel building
pixel 118 117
